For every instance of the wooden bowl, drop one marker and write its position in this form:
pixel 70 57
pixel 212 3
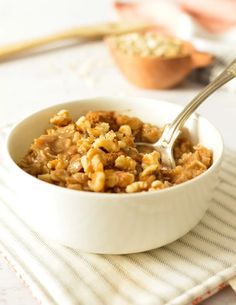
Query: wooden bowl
pixel 155 72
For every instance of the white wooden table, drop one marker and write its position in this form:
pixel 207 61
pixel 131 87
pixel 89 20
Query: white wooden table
pixel 29 84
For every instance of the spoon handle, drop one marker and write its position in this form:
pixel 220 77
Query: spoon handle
pixel 174 128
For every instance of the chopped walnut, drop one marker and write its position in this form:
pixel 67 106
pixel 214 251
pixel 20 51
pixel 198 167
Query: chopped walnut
pixel 125 163
pixel 111 178
pixel 152 158
pixel 95 117
pixel 45 177
pixel 124 178
pixel 62 118
pixel 97 153
pixel 81 178
pixel 92 162
pixel 74 164
pixel 82 124
pixel 125 130
pixel 159 185
pixel 149 170
pixel 118 179
pixel 107 142
pixel 134 123
pixel 150 133
pixel 137 186
pixel 97 183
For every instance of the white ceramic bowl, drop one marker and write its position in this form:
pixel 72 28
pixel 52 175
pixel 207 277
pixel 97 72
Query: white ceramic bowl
pixel 112 223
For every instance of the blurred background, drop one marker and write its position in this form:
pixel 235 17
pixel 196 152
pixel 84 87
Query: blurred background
pixel 73 69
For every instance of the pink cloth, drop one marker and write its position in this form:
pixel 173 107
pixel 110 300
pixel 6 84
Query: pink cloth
pixel 215 16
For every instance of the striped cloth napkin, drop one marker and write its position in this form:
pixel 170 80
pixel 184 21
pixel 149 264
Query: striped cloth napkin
pixel 183 272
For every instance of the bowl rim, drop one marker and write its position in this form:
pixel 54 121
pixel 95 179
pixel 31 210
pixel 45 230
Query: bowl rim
pixel 82 193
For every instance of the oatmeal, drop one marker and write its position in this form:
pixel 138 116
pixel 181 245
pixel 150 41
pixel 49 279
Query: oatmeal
pixel 97 153
pixel 149 44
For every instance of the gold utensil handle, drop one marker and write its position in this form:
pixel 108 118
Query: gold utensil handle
pixel 91 32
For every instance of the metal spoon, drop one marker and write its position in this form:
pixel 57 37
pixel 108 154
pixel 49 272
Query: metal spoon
pixel 165 144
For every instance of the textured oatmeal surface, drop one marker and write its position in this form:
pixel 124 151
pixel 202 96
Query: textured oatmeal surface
pixel 97 153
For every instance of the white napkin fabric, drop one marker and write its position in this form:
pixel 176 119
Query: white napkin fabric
pixel 183 272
